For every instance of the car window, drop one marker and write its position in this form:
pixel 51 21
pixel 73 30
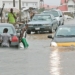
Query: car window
pixel 54 13
pixel 66 31
pixel 42 17
pixel 10 29
pixel 60 13
pixel 52 17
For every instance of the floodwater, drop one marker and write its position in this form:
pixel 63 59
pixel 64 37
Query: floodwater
pixel 38 58
pixel 61 61
pixel 58 61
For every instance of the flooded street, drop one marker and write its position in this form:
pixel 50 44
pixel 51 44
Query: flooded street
pixel 38 58
pixel 62 63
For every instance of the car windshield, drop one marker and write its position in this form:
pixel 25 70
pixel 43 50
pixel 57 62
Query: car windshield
pixel 54 13
pixel 41 17
pixel 10 29
pixel 45 13
pixel 65 32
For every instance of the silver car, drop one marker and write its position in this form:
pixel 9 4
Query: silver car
pixel 42 23
pixel 12 31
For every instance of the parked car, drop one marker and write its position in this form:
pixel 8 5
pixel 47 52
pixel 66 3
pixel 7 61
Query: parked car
pixel 64 36
pixel 58 14
pixel 42 23
pixel 12 32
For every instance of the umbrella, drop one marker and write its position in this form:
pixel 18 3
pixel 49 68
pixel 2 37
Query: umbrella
pixel 25 9
pixel 7 9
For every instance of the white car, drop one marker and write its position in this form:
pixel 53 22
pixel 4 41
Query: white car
pixel 58 14
pixel 60 17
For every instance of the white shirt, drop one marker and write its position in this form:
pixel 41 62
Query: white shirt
pixel 5 37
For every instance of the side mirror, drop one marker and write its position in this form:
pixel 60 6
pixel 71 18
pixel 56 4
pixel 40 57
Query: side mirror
pixel 60 15
pixel 50 36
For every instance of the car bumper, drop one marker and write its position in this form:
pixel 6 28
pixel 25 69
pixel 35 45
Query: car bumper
pixel 14 44
pixel 46 28
pixel 67 46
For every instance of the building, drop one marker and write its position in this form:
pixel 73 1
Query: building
pixel 24 3
pixel 63 7
pixel 45 6
pixel 69 5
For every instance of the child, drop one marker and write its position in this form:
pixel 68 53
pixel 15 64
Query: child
pixel 5 38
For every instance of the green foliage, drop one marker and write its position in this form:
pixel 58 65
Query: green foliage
pixel 41 10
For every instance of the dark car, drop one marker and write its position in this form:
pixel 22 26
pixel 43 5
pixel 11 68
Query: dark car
pixel 12 32
pixel 64 36
pixel 42 23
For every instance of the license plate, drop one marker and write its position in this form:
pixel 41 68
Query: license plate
pixel 37 28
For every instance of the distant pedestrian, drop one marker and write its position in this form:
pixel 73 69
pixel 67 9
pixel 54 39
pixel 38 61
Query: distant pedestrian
pixel 12 17
pixel 23 38
pixel 23 31
pixel 5 38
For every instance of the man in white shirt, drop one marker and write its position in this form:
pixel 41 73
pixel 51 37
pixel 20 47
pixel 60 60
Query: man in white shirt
pixel 5 38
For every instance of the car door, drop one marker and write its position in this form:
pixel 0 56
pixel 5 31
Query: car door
pixel 54 22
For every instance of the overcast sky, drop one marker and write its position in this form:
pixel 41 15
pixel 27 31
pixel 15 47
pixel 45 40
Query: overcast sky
pixel 52 2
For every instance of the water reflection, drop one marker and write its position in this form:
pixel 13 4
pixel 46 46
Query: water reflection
pixel 55 63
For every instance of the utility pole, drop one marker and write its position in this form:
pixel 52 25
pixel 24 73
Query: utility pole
pixel 13 3
pixel 2 11
pixel 74 10
pixel 20 9
pixel 42 3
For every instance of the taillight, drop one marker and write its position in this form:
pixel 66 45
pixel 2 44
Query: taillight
pixel 14 39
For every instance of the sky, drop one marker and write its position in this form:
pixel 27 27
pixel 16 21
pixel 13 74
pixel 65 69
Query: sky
pixel 52 2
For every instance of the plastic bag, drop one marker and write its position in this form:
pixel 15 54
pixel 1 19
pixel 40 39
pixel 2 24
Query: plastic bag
pixel 25 43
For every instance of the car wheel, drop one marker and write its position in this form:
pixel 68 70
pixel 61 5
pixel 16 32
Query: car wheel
pixel 28 32
pixel 59 23
pixel 51 30
pixel 63 23
pixel 56 28
pixel 17 46
pixel 36 32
